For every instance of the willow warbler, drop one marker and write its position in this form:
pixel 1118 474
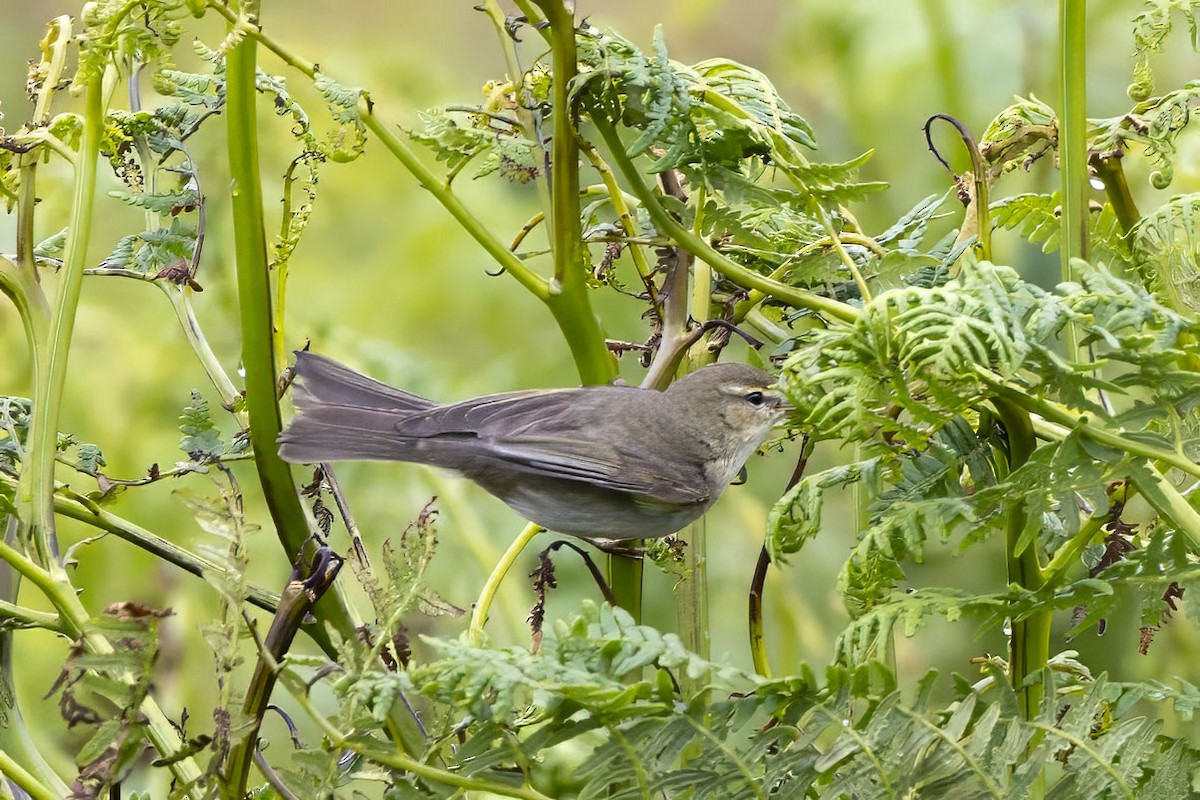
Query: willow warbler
pixel 601 462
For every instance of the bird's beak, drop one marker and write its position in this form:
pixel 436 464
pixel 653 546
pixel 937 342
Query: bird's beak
pixel 778 400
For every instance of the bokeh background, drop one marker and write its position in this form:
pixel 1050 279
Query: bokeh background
pixel 386 281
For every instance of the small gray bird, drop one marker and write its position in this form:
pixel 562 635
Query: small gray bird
pixel 602 462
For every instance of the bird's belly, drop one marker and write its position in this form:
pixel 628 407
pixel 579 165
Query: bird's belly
pixel 591 512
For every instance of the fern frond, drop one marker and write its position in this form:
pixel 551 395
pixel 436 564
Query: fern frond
pixel 1150 30
pixel 1165 247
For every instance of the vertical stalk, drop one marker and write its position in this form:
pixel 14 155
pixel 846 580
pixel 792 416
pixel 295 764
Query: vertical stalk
pixel 258 354
pixel 254 296
pixel 35 494
pixel 566 229
pixel 254 302
pixel 1030 643
pixel 19 282
pixel 1072 139
pixel 691 597
pixel 691 594
pixel 568 299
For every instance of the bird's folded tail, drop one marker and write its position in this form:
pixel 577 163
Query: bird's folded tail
pixel 344 415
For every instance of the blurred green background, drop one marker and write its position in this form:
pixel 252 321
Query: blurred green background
pixel 386 281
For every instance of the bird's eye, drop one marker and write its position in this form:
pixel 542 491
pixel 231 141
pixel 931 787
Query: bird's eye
pixel 755 398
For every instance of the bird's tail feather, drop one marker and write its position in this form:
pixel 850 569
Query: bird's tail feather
pixel 343 415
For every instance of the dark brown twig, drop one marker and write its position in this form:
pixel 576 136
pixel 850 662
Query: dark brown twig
pixel 758 582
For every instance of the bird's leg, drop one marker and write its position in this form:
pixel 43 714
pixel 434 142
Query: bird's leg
pixel 591 565
pixel 618 547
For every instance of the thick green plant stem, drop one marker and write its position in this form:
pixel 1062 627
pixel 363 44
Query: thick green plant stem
pixel 35 497
pixel 1030 640
pixel 691 600
pixel 568 298
pixel 20 759
pixel 19 281
pixel 254 297
pixel 625 580
pixel 1116 188
pixel 254 302
pixel 1072 140
pixel 566 229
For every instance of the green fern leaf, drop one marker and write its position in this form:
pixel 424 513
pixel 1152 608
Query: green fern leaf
pixel 1165 246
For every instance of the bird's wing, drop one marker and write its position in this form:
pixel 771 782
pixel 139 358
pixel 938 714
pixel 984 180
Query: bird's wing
pixel 545 433
pixel 602 466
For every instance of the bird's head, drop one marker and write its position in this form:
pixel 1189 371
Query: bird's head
pixel 736 406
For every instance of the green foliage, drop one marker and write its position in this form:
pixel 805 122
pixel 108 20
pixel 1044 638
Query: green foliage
pixel 797 516
pixel 1027 131
pixel 164 252
pixel 14 423
pixel 1036 218
pixel 1154 123
pixel 1164 249
pixel 788 737
pixel 401 588
pixel 903 378
pixel 918 357
pixel 103 692
pixel 496 145
pixel 719 123
pixel 200 438
pixel 907 365
pixel 84 457
pixel 985 411
pixel 1150 30
pixel 113 33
